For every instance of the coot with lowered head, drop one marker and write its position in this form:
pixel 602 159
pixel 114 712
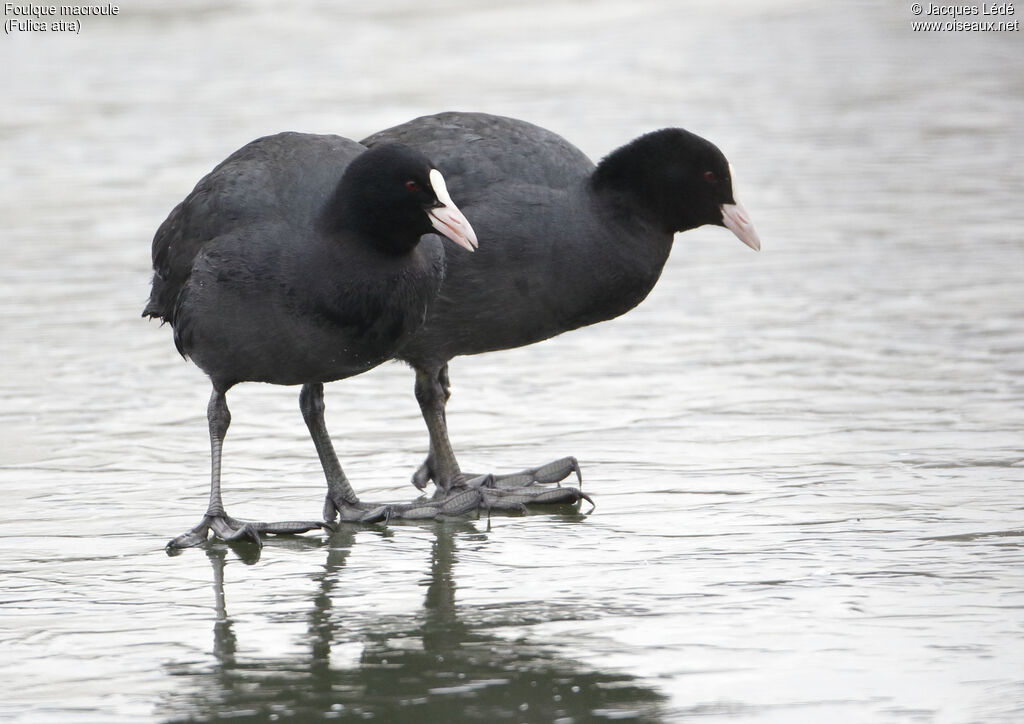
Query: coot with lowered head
pixel 568 244
pixel 299 260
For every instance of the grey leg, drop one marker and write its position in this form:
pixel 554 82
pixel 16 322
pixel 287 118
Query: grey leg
pixel 501 491
pixel 216 519
pixel 341 500
pixel 218 416
pixel 432 392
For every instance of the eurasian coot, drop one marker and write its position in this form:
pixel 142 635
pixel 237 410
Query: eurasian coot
pixel 299 260
pixel 567 244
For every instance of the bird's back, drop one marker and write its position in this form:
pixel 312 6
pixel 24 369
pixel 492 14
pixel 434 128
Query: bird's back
pixel 284 180
pixel 477 151
pixel 549 260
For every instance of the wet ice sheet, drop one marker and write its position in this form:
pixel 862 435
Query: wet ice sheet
pixel 807 461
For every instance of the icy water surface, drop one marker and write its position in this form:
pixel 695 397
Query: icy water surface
pixel 807 462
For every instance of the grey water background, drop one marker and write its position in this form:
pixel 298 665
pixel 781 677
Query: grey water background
pixel 807 462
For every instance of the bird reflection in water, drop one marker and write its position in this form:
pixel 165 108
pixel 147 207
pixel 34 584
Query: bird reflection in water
pixel 451 670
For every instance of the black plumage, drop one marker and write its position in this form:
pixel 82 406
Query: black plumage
pixel 568 243
pixel 300 259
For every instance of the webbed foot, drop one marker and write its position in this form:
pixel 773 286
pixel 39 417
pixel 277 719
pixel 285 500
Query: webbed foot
pixel 509 492
pixel 233 530
pixel 552 472
pixel 514 491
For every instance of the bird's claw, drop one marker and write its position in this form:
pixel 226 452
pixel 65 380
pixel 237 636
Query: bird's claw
pixel 380 514
pixel 471 493
pixel 236 531
pixel 353 512
pixel 489 492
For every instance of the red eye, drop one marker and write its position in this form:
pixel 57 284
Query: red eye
pixel 412 185
pixel 710 177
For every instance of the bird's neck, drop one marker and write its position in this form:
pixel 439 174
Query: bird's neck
pixel 352 223
pixel 621 260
